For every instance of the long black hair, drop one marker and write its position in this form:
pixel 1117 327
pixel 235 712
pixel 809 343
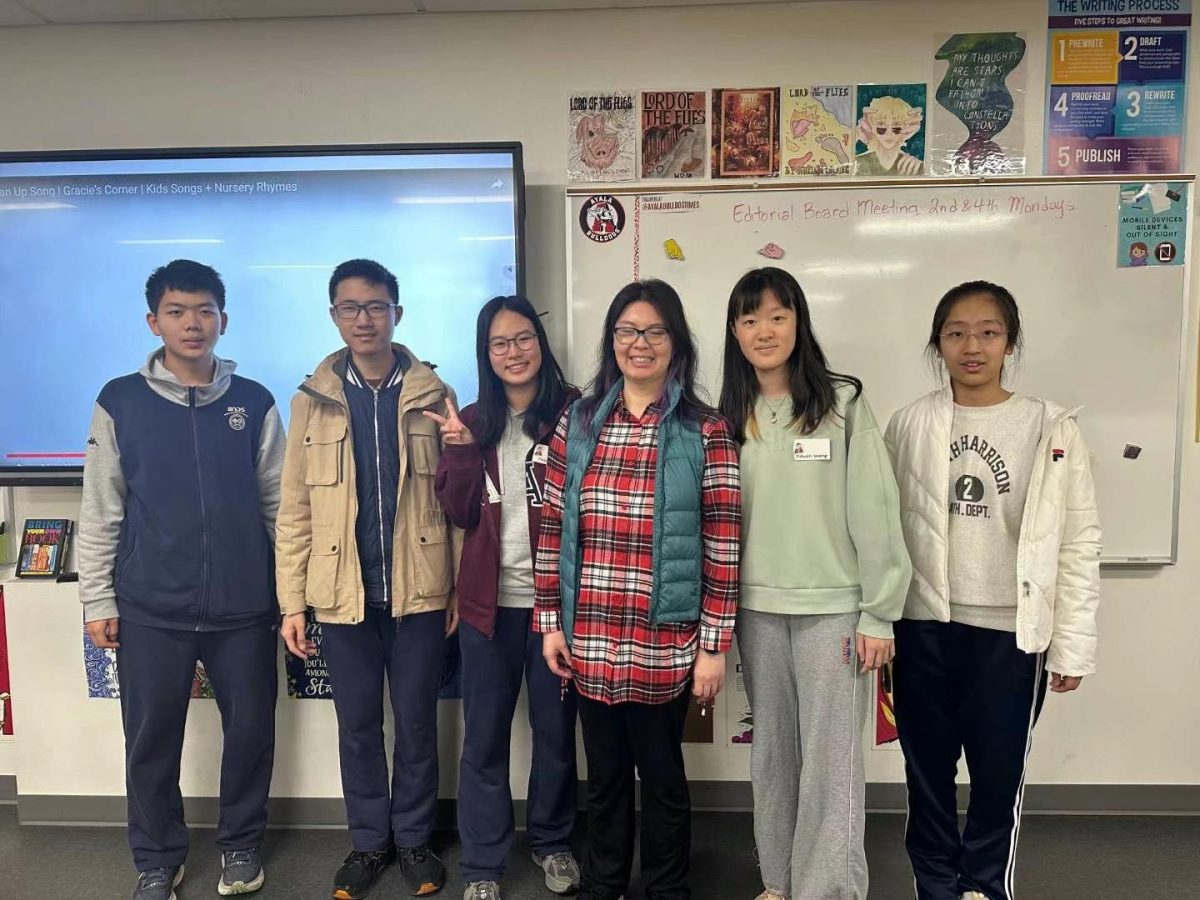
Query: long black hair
pixel 1006 304
pixel 684 356
pixel 812 383
pixel 491 409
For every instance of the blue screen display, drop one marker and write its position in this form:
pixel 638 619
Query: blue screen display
pixel 79 238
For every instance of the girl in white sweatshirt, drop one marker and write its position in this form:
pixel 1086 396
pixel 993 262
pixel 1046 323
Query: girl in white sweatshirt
pixel 999 516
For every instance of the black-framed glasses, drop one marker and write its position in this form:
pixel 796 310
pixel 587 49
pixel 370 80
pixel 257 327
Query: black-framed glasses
pixel 627 334
pixel 376 309
pixel 498 346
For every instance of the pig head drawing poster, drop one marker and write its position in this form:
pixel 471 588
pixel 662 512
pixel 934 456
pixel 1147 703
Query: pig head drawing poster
pixel 601 137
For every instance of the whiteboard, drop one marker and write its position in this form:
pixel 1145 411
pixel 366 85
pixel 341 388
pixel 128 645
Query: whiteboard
pixel 874 258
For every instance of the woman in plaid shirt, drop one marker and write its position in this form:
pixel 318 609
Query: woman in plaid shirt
pixel 636 581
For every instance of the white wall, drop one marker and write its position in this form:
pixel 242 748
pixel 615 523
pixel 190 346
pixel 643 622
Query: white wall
pixel 500 77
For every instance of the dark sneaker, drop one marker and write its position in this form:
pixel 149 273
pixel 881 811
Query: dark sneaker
pixel 158 884
pixel 359 872
pixel 423 872
pixel 482 890
pixel 241 872
pixel 562 872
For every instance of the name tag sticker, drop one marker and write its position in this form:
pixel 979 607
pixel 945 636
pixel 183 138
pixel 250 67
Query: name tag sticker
pixel 810 449
pixel 541 453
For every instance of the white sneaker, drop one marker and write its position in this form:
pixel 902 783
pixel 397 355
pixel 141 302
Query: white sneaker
pixel 974 895
pixel 482 890
pixel 561 869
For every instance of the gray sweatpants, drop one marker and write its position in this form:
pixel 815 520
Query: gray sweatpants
pixel 806 765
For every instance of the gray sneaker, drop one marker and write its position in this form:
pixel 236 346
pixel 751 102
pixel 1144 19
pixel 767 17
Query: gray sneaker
pixel 241 872
pixel 158 884
pixel 482 890
pixel 562 872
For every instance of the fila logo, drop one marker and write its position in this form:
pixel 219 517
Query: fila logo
pixel 1056 454
pixel 236 416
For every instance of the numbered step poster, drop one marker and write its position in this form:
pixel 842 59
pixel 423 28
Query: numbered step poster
pixel 1116 97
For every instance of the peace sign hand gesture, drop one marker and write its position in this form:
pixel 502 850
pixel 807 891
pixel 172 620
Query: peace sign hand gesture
pixel 452 428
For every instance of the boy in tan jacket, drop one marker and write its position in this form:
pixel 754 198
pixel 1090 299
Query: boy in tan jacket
pixel 362 539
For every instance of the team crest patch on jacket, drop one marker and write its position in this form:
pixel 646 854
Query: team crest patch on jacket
pixel 236 416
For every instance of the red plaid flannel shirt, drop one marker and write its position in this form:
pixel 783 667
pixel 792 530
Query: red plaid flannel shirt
pixel 618 655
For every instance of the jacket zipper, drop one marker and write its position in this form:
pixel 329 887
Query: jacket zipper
pixel 203 511
pixel 387 600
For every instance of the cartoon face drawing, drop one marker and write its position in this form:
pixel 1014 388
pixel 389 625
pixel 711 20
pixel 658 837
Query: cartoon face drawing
pixel 888 122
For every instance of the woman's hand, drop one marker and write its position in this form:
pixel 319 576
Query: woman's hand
pixel 557 654
pixel 708 677
pixel 452 428
pixel 875 652
pixel 1064 684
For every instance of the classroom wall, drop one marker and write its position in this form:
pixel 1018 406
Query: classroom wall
pixel 505 76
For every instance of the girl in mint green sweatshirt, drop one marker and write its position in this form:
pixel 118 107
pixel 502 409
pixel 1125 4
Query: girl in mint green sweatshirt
pixel 824 574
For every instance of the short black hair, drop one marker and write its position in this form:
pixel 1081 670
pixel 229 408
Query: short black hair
pixel 184 275
pixel 369 271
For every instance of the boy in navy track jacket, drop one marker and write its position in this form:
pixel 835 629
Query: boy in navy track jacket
pixel 176 565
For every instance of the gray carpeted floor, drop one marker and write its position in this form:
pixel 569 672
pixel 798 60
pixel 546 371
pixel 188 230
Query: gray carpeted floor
pixel 1062 858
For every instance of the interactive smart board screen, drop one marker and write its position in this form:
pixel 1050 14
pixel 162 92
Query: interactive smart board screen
pixel 80 235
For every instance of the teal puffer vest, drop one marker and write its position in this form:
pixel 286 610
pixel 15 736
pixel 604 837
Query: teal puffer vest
pixel 677 551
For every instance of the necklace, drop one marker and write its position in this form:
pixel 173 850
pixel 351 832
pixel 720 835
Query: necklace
pixel 774 410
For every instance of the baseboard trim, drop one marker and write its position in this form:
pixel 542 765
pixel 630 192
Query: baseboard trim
pixel 715 796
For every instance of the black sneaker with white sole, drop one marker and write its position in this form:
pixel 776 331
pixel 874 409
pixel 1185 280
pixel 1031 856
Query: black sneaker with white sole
pixel 359 872
pixel 423 872
pixel 158 883
pixel 241 872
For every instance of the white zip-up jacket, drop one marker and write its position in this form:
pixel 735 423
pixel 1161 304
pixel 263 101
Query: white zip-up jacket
pixel 1058 552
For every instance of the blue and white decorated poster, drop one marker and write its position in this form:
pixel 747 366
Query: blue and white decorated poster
pixel 1153 224
pixel 1116 95
pixel 308 679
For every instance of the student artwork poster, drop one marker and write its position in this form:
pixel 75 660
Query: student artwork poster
pixel 100 670
pixel 745 138
pixel 817 129
pixel 674 134
pixel 978 120
pixel 891 130
pixel 601 136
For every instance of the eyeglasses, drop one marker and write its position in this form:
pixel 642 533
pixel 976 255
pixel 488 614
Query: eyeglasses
pixel 958 336
pixel 376 309
pixel 627 334
pixel 498 346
